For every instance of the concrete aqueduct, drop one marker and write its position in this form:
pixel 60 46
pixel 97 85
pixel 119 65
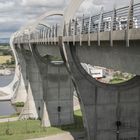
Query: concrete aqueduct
pixel 110 112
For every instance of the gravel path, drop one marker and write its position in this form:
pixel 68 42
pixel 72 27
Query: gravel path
pixel 9 119
pixel 64 136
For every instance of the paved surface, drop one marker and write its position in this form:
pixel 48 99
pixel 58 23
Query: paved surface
pixel 64 136
pixel 9 119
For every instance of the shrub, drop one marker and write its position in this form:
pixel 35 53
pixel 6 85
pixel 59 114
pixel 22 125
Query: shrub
pixel 19 104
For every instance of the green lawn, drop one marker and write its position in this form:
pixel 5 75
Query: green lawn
pixel 21 130
pixel 116 81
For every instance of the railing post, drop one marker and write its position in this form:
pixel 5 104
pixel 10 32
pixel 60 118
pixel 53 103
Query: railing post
pixel 67 32
pixel 56 30
pixel 83 24
pixel 74 32
pixel 112 28
pixel 41 34
pixel 76 23
pixel 55 34
pixel 81 35
pixel 52 35
pixel 64 30
pixel 81 30
pixel 89 27
pixel 37 38
pixel 44 33
pixel 49 35
pixel 46 36
pixel 69 28
pixel 129 21
pixel 99 26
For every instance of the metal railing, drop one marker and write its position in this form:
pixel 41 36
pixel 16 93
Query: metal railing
pixel 40 35
pixel 112 20
pixel 123 18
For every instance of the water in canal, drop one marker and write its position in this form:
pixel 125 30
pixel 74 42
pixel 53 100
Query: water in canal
pixel 6 107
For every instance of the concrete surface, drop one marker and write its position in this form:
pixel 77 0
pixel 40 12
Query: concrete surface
pixel 110 112
pixel 64 136
pixel 9 119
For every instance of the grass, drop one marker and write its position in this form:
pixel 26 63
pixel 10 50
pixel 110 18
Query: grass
pixel 21 130
pixel 4 59
pixel 116 81
pixel 5 47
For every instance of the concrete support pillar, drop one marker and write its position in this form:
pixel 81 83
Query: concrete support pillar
pixel 57 89
pixel 31 108
pixel 19 89
pixel 110 112
pixel 34 81
pixel 21 94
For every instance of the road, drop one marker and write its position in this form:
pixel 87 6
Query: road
pixel 63 136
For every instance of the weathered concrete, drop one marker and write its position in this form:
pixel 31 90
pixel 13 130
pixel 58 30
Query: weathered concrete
pixel 111 112
pixel 119 35
pixel 118 57
pixel 57 87
pixel 19 89
pixel 21 93
pixel 30 108
pixel 64 136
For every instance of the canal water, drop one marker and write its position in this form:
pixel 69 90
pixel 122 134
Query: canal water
pixel 5 107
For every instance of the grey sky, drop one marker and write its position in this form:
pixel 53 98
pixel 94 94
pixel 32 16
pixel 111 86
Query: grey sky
pixel 16 13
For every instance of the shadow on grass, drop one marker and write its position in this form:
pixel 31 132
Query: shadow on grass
pixel 21 130
pixel 77 128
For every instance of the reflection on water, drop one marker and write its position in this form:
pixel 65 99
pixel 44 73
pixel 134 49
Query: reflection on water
pixel 5 80
pixel 5 107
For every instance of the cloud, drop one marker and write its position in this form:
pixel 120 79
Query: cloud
pixel 16 13
pixel 6 5
pixel 88 7
pixel 47 3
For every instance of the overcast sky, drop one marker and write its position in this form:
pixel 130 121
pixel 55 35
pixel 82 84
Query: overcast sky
pixel 16 13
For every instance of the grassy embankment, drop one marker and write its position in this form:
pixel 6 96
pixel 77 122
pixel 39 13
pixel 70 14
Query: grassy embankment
pixel 121 77
pixel 21 130
pixel 6 57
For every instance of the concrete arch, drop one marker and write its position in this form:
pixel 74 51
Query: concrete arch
pixel 106 104
pixel 71 10
pixel 57 88
pixel 39 19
